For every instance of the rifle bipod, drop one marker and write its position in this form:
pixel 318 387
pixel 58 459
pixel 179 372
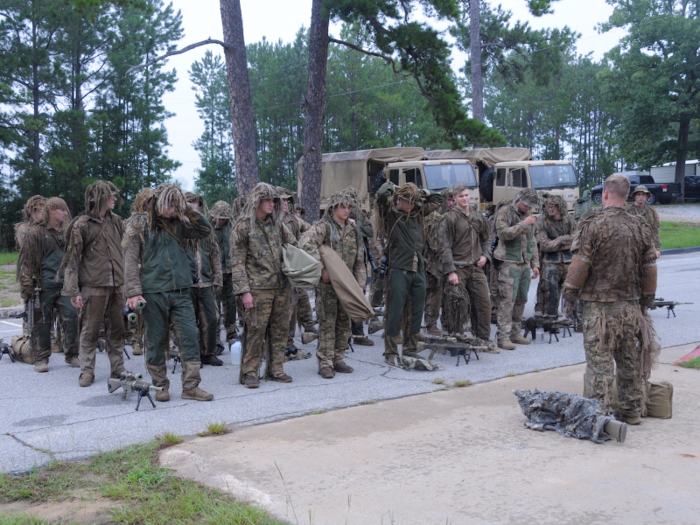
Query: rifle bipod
pixel 466 353
pixel 5 349
pixel 144 393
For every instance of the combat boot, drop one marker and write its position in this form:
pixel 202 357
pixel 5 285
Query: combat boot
pixel 343 368
pixel 311 329
pixel 282 378
pixel 375 325
pixel 196 394
pixel 136 349
pixel 73 362
pixel 519 339
pixel 308 337
pixel 163 395
pixel 117 373
pixel 211 360
pixel 86 379
pixel 42 366
pixel 326 373
pixel 362 340
pixel 632 420
pixel 251 381
pixel 506 345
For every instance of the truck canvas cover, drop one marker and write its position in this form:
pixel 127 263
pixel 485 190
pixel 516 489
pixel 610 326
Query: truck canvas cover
pixel 487 156
pixel 351 168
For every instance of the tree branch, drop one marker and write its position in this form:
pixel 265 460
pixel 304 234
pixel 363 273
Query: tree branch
pixel 176 52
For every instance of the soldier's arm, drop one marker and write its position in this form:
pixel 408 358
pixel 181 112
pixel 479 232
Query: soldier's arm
pixel 215 261
pixel 239 255
pixel 655 227
pixel 507 231
pixel 384 193
pixel 288 237
pixel 73 253
pixel 312 239
pixel 580 263
pixel 431 202
pixel 24 274
pixel 648 271
pixel 484 237
pixel 535 262
pixel 132 246
pixel 445 232
pixel 200 229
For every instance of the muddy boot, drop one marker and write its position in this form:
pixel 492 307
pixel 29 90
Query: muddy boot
pixel 86 379
pixel 311 329
pixel 308 337
pixel 375 324
pixel 342 368
pixel 251 381
pixel 326 373
pixel 362 340
pixel 42 366
pixel 197 394
pixel 163 395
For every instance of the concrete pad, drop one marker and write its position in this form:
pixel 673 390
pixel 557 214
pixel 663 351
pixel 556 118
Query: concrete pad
pixel 459 456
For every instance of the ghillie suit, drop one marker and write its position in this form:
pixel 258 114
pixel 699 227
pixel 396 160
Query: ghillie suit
pixel 256 258
pixel 158 269
pixel 568 415
pixel 493 265
pixel 94 270
pixel 22 228
pixel 221 219
pixel 37 269
pixel 456 309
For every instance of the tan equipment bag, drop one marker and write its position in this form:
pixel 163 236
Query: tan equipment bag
pixel 659 400
pixel 19 347
pixel 302 270
pixel 349 293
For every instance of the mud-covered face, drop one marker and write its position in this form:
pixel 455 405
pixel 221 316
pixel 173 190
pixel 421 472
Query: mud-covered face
pixel 170 211
pixel 553 211
pixel 285 205
pixel 450 202
pixel 194 205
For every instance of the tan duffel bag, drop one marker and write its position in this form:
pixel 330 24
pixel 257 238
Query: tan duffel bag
pixel 659 400
pixel 19 347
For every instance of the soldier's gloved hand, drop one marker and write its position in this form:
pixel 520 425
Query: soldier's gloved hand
pixel 570 294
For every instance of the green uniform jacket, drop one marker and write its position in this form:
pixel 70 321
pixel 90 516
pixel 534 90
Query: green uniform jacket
pixel 156 261
pixel 554 238
pixel 205 262
pixel 256 256
pixel 516 240
pixel 405 230
pixel 464 238
pixel 53 243
pixel 223 237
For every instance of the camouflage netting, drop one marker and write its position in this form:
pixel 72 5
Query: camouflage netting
pixel 568 415
pixel 557 200
pixel 220 211
pixel 141 201
pixel 35 202
pixel 98 192
pixel 237 208
pixel 456 308
pixel 194 197
pixel 338 198
pixel 261 192
pixel 651 347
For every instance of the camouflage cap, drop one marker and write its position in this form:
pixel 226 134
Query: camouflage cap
pixel 641 189
pixel 529 197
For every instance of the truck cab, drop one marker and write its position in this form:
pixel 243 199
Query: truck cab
pixel 434 175
pixel 556 177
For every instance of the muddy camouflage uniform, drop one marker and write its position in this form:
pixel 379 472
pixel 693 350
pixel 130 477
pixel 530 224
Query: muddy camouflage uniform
pixel 517 255
pixel 613 267
pixel 225 299
pixel 405 241
pixel 554 242
pixel 334 330
pixel 256 258
pixel 39 260
pixel 651 216
pixel 433 266
pixel 205 264
pixel 157 268
pixel 465 239
pixel 94 268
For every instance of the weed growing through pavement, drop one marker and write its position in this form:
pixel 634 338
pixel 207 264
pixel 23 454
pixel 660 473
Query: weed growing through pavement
pixel 215 429
pixel 168 439
pixel 438 381
pixel 465 382
pixel 367 402
pixel 511 374
pixel 317 412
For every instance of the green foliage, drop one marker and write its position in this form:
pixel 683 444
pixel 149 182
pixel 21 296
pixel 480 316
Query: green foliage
pixel 462 383
pixel 9 258
pixel 676 235
pixel 167 439
pixel 691 363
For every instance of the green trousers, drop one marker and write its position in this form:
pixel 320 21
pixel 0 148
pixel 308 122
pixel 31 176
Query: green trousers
pixel 404 285
pixel 204 304
pixel 513 286
pixel 49 300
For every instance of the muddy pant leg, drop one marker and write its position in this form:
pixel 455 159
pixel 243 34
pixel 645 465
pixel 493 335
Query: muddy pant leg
pixel 278 330
pixel 433 300
pixel 399 286
pixel 182 314
pixel 507 274
pixel 206 319
pixel 70 325
pixel 42 324
pixel 600 364
pixel 156 315
pixel 230 307
pixel 520 298
pixel 417 294
pixel 553 275
pixel 542 292
pixel 377 290
pixel 293 313
pixel 91 318
pixel 256 320
pixel 480 303
pixel 493 286
pixel 114 329
pixel 304 314
pixel 630 383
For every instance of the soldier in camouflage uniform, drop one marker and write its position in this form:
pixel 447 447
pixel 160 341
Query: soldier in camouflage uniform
pixel 205 264
pixel 301 306
pixel 39 260
pixel 94 278
pixel 517 257
pixel 256 255
pixel 221 219
pixel 402 211
pixel 464 237
pixel 554 231
pixel 613 270
pixel 433 264
pixel 641 208
pixel 336 231
pixel 158 273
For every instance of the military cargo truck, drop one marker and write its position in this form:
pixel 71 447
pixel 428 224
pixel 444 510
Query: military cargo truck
pixel 503 172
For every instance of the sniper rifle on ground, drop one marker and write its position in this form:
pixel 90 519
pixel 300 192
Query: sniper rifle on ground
pixel 132 383
pixel 670 306
pixel 551 325
pixel 456 345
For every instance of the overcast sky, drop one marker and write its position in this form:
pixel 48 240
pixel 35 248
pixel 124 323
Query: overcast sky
pixel 281 19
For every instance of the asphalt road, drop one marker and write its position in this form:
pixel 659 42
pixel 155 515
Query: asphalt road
pixel 47 417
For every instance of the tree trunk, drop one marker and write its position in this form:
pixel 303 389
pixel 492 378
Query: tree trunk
pixel 247 175
pixel 314 113
pixel 683 131
pixel 36 136
pixel 475 50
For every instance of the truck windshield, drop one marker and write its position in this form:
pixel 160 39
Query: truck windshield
pixel 441 176
pixel 553 176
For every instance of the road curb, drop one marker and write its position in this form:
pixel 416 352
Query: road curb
pixel 676 251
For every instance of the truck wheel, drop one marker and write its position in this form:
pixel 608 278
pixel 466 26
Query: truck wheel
pixel 651 200
pixel 597 198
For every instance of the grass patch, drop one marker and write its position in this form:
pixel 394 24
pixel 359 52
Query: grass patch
pixel 168 439
pixel 678 235
pixel 441 389
pixel 8 258
pixel 367 402
pixel 142 491
pixel 317 412
pixel 215 429
pixel 438 381
pixel 691 363
pixel 463 382
pixel 511 374
pixel 536 370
